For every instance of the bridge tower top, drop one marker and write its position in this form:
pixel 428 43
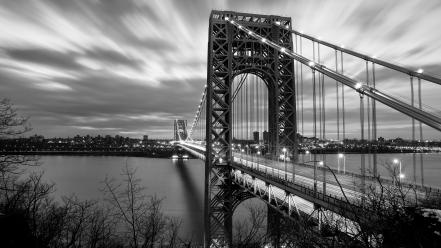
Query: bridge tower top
pixel 180 130
pixel 250 18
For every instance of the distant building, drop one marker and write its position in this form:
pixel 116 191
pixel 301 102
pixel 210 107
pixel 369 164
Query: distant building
pixel 145 139
pixel 265 137
pixel 256 136
pixel 36 138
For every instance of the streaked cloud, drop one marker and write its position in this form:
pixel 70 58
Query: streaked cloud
pixel 131 67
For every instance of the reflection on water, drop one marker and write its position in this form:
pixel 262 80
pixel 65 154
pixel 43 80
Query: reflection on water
pixel 180 184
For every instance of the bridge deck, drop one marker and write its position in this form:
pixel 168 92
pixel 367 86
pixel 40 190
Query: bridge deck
pixel 339 192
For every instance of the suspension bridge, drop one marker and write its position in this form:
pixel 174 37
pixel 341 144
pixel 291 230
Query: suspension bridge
pixel 274 98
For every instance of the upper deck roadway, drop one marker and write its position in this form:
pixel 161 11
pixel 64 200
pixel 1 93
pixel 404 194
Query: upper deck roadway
pixel 292 187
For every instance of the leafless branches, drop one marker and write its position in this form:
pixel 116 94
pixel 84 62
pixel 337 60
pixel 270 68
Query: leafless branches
pixel 143 223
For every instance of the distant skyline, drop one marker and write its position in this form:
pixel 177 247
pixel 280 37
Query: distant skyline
pixel 132 67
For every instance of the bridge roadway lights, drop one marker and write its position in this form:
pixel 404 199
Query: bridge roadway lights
pixel 335 205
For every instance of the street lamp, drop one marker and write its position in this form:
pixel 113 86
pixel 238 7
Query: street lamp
pixel 322 163
pixel 284 161
pixel 247 150
pixel 341 156
pixel 308 152
pixel 400 175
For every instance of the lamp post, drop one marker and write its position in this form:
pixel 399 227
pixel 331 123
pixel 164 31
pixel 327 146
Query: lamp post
pixel 400 175
pixel 308 152
pixel 284 161
pixel 247 150
pixel 322 163
pixel 342 157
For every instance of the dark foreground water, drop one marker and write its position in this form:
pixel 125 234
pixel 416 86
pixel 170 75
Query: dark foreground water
pixel 181 184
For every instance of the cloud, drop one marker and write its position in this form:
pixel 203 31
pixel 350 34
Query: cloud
pixel 53 86
pixel 133 66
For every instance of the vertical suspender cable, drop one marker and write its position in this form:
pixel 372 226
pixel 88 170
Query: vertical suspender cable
pixel 319 88
pixel 233 106
pixel 368 106
pixel 421 131
pixel 337 96
pixel 363 168
pixel 320 94
pixel 241 115
pixel 314 125
pixel 246 112
pixel 343 101
pixel 301 87
pixel 323 107
pixel 324 132
pixel 297 85
pixel 412 99
pixel 258 110
pixel 374 122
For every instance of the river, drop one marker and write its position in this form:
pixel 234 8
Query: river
pixel 181 184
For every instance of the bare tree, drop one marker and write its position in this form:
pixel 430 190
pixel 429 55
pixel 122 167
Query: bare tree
pixel 395 216
pixel 12 125
pixel 142 222
pixel 251 231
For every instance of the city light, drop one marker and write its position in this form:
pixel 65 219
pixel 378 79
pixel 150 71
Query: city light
pixel 321 163
pixel 358 85
pixel 227 18
pixel 282 49
pixel 284 149
pixel 263 40
pixel 400 174
pixel 340 155
pixel 240 26
pixel 311 64
pixel 420 71
pixel 277 23
pixel 250 33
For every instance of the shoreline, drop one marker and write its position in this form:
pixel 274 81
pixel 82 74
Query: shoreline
pixel 147 154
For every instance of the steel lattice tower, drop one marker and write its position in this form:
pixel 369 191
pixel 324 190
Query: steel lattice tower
pixel 231 52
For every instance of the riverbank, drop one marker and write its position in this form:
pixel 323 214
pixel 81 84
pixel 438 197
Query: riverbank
pixel 146 154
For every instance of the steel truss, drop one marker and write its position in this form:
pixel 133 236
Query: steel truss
pixel 232 52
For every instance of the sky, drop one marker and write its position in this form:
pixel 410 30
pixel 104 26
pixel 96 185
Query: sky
pixel 131 67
